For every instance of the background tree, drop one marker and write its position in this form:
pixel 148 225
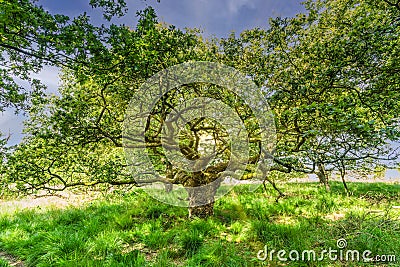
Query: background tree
pixel 332 82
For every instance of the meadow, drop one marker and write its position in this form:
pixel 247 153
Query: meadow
pixel 132 229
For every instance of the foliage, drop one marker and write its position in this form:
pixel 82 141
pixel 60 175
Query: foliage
pixel 331 77
pixel 30 38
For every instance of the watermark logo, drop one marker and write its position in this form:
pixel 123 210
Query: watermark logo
pixel 340 253
pixel 193 131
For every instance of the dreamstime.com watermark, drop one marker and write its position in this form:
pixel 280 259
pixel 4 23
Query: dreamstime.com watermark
pixel 341 253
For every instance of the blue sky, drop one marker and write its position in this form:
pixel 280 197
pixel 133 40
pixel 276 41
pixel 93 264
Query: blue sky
pixel 214 17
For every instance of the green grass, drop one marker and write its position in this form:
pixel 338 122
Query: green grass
pixel 4 263
pixel 136 230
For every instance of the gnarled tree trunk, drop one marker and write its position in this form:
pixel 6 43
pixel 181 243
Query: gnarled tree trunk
pixel 202 193
pixel 323 176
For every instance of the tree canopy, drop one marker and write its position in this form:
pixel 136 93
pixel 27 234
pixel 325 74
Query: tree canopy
pixel 330 76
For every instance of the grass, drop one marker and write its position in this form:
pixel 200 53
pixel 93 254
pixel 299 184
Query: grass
pixel 136 230
pixel 4 263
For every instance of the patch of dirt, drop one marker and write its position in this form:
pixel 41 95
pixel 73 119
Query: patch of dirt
pixel 13 261
pixel 61 200
pixel 335 216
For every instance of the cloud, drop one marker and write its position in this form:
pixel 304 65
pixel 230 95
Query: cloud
pixel 217 18
pixel 11 124
pixel 222 17
pixel 235 5
pixel 49 76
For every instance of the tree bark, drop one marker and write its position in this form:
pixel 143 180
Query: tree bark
pixel 323 176
pixel 204 211
pixel 281 194
pixel 202 196
pixel 342 175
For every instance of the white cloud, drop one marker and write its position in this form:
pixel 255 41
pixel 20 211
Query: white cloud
pixel 223 16
pixel 50 77
pixel 235 5
pixel 11 124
